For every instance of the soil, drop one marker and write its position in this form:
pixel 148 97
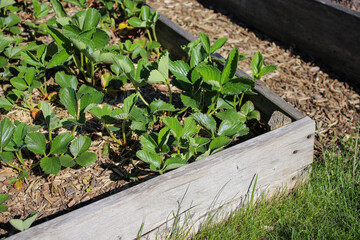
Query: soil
pixel 304 83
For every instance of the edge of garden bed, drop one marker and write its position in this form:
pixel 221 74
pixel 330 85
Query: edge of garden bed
pixel 220 180
pixel 320 28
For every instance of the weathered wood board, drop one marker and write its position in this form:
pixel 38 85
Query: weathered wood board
pixel 277 158
pixel 322 29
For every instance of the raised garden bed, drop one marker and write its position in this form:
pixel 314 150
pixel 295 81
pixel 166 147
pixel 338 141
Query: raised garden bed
pixel 322 29
pixel 277 157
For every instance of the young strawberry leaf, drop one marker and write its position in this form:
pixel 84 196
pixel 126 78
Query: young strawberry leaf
pixel 218 44
pixel 36 142
pixel 205 40
pixel 80 145
pixel 23 225
pixel 4 103
pixel 232 129
pixel 219 142
pixel 148 143
pixel 237 86
pixel 230 66
pixel 161 106
pixel 149 158
pixel 58 9
pixel 50 165
pixel 247 108
pixel 174 125
pixel 6 156
pixel 86 159
pixel 205 121
pixel 60 143
pixel 257 63
pixel 211 75
pixel 68 99
pixel 6 132
pixel 190 128
pixel 67 161
pixel 173 163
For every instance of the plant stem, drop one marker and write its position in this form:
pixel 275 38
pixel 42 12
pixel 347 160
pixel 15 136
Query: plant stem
pixel 21 160
pixel 25 109
pixel 34 165
pixel 45 83
pixel 241 98
pixel 73 131
pixel 14 166
pixel 123 131
pixel 149 35
pixel 112 135
pixel 154 33
pixel 170 93
pixel 214 103
pixel 141 97
pixel 235 97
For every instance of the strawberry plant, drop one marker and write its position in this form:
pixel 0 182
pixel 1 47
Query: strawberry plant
pixel 146 20
pixel 3 198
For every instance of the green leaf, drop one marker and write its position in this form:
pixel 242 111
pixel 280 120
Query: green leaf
pixel 59 38
pixel 68 99
pixel 60 143
pixel 58 9
pixel 5 42
pixel 247 108
pixel 11 20
pixel 253 115
pixel 4 103
pixel 231 128
pixel 163 66
pixel 137 22
pixel 92 19
pixel 66 81
pixel 50 165
pixel 219 142
pixel 257 63
pixel 231 115
pixel 230 66
pixel 100 39
pixel 145 12
pixel 267 69
pixel 3 61
pixel 20 134
pixel 6 156
pixel 58 59
pixel 218 44
pixel 130 102
pixel 156 77
pixel 90 100
pixel 191 100
pixel 205 121
pixel 150 158
pixel 30 59
pixel 86 159
pixel 3 208
pixel 210 74
pixel 6 3
pixel 80 145
pixel 6 132
pixel 190 128
pixel 148 143
pixel 36 142
pixel 19 83
pixel 30 75
pixel 205 40
pixel 174 125
pixel 173 163
pixel 237 86
pixel 4 197
pixel 160 106
pixel 180 69
pixel 67 161
pixel 24 225
pixel 163 136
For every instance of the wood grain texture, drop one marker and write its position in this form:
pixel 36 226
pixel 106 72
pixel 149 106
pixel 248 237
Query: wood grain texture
pixel 276 157
pixel 320 28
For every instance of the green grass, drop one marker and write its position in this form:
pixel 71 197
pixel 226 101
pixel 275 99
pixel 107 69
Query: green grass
pixel 327 206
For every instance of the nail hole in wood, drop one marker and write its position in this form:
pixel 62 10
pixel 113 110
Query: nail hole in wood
pixel 294 152
pixel 309 136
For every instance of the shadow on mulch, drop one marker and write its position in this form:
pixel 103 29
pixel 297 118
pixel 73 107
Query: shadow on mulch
pixel 291 48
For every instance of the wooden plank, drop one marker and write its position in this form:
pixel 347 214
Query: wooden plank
pixel 225 177
pixel 320 28
pixel 172 37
